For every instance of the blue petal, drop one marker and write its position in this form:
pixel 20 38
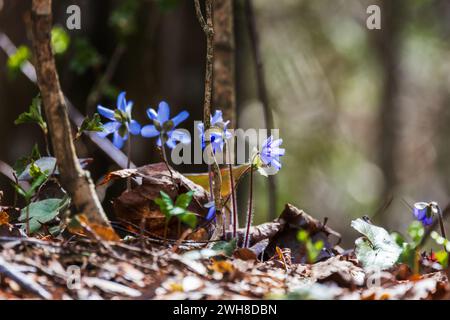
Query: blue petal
pixel 275 163
pixel 121 102
pixel 158 142
pixel 217 117
pixel 163 112
pixel 149 131
pixel 183 115
pixel 171 143
pixel 134 127
pixel 278 152
pixel 276 143
pixel 107 113
pixel 211 213
pixel 118 141
pixel 151 114
pixel 109 128
pixel 420 213
pixel 129 108
pixel 181 135
pixel 426 221
pixel 267 142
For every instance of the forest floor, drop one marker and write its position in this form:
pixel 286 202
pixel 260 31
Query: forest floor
pixel 145 265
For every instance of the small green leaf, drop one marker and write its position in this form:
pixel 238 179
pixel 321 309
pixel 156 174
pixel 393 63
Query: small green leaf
pixel 42 212
pixel 93 125
pixel 189 219
pixel 377 249
pixel 123 18
pixel 165 203
pixel 17 60
pixel 302 236
pixel 442 258
pixel 85 56
pixel 46 165
pixel 60 40
pixel 34 115
pixel 183 200
pixel 226 248
pixel 416 231
pixel 21 164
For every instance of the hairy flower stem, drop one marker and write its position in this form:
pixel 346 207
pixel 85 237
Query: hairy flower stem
pixel 441 223
pixel 129 160
pixel 250 211
pixel 234 215
pixel 166 161
pixel 210 176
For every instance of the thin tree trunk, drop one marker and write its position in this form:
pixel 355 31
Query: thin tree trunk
pixel 263 96
pixel 208 28
pixel 224 92
pixel 76 181
pixel 387 45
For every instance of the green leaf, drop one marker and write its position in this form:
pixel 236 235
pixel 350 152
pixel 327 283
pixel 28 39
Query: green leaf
pixel 302 236
pixel 37 182
pixel 93 125
pixel 16 60
pixel 377 249
pixel 183 200
pixel 42 212
pixel 123 18
pixel 177 211
pixel 21 164
pixel 416 231
pixel 85 56
pixel 226 248
pixel 34 115
pixel 189 219
pixel 46 165
pixel 165 203
pixel 60 40
pixel 442 258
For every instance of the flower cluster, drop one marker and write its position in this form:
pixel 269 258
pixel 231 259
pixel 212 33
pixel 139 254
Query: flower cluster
pixel 122 124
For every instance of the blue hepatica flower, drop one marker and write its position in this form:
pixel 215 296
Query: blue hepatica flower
pixel 164 128
pixel 424 212
pixel 211 211
pixel 218 132
pixel 121 123
pixel 271 152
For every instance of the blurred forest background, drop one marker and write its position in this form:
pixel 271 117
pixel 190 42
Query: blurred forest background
pixel 364 114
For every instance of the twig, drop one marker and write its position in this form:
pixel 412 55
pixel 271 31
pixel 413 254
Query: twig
pixel 10 271
pixel 106 78
pixel 263 95
pixel 76 181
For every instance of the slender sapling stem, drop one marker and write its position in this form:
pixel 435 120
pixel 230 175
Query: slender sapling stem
pixel 250 211
pixel 129 160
